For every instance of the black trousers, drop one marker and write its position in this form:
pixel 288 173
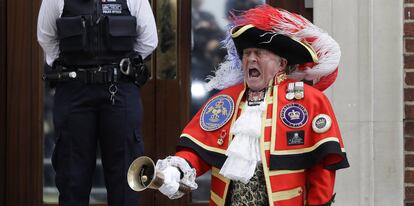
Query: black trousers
pixel 84 118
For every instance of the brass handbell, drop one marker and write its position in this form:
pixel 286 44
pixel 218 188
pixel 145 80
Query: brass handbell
pixel 142 175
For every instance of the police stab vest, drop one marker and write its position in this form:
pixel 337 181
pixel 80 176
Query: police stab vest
pixel 95 32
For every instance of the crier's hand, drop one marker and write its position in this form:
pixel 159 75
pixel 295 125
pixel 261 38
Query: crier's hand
pixel 179 177
pixel 171 181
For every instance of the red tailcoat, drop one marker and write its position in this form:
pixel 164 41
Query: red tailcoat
pixel 297 173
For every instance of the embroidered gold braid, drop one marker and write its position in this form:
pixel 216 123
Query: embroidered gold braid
pixel 251 194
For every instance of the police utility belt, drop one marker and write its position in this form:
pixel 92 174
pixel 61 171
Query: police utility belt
pixel 127 70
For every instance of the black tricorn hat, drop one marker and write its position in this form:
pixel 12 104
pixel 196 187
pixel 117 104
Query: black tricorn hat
pixel 294 51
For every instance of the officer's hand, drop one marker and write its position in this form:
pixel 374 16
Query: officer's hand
pixel 171 181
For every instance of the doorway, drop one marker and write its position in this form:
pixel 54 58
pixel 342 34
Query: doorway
pixel 168 98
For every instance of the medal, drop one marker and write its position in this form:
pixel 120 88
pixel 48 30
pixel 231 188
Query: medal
pixel 220 141
pixel 289 93
pixel 290 96
pixel 223 134
pixel 299 90
pixel 298 95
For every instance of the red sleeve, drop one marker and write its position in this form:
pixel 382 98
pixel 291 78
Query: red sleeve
pixel 196 162
pixel 320 183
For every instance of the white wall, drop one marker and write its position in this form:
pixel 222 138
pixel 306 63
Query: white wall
pixel 368 97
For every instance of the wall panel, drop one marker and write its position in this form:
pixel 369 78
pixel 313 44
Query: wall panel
pixel 23 139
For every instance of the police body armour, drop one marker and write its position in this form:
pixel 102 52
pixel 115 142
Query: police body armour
pixel 95 32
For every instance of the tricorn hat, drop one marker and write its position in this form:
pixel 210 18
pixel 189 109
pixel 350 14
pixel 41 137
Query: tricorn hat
pixel 295 51
pixel 288 35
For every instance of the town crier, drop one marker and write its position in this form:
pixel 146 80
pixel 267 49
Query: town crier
pixel 270 136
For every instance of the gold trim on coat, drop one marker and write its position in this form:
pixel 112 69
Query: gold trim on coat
pixel 284 172
pixel 287 194
pixel 274 120
pixel 265 146
pixel 216 198
pixel 235 115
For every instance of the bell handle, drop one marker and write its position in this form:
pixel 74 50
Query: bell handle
pixel 184 188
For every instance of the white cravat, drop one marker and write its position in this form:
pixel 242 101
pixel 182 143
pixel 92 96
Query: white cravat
pixel 244 151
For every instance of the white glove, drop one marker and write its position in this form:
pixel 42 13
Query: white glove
pixel 170 167
pixel 171 181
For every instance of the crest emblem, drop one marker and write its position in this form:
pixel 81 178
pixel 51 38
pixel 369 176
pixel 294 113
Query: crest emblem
pixel 321 123
pixel 217 112
pixel 294 115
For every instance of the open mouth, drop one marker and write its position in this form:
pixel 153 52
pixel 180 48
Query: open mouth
pixel 253 72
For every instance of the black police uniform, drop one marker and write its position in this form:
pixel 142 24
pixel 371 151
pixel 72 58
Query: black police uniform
pixel 93 38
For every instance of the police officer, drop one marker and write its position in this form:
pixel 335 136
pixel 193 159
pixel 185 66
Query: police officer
pixel 95 49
